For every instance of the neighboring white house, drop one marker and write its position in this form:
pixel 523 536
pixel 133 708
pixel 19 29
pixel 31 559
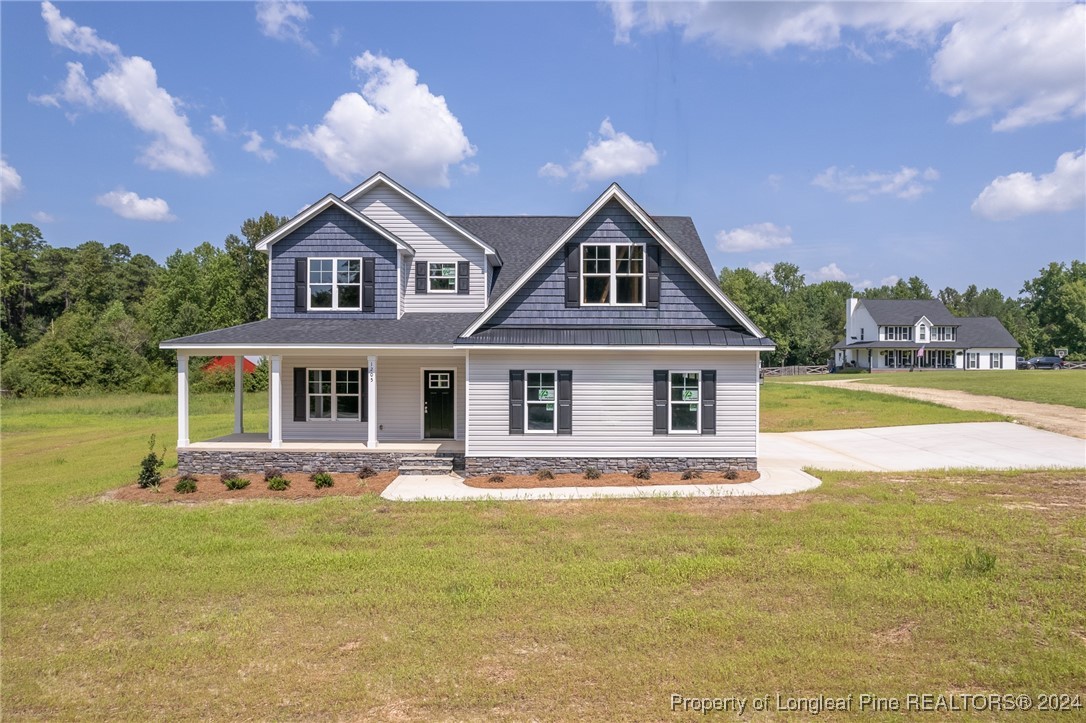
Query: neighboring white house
pixel 507 343
pixel 895 335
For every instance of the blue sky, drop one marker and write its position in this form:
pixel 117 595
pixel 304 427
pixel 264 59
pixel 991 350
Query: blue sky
pixel 860 141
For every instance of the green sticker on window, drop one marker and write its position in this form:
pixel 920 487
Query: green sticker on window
pixel 545 394
pixel 690 395
pixel 693 407
pixel 550 407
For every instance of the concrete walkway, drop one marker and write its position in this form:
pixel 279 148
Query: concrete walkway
pixel 773 481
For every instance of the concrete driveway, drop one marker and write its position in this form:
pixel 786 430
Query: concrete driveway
pixel 986 445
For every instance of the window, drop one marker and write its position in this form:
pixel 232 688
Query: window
pixel 861 333
pixel 335 283
pixel 334 394
pixel 995 360
pixel 439 380
pixel 441 277
pixel 923 333
pixel 685 402
pixel 972 360
pixel 613 274
pixel 898 333
pixel 541 397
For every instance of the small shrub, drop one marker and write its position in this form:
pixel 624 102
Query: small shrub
pixel 592 473
pixel 151 467
pixel 271 473
pixel 544 474
pixel 980 561
pixel 321 480
pixel 225 477
pixel 731 473
pixel 691 474
pixel 186 485
pixel 235 483
pixel 366 472
pixel 495 479
pixel 642 472
pixel 278 484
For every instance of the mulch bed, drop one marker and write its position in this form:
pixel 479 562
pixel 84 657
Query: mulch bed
pixel 209 488
pixel 612 479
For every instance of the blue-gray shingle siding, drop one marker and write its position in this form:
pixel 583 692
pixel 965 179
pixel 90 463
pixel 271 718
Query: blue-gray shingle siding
pixel 333 234
pixel 683 301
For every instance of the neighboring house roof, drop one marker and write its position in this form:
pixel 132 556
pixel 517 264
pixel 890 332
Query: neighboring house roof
pixel 379 177
pixel 599 336
pixel 977 332
pixel 226 363
pixel 310 212
pixel 436 329
pixel 906 312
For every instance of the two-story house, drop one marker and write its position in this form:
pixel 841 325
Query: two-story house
pixel 895 335
pixel 508 343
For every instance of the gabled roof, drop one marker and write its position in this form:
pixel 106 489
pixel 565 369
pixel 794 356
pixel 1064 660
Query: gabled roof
pixel 906 312
pixel 615 192
pixel 311 212
pixel 976 332
pixel 381 178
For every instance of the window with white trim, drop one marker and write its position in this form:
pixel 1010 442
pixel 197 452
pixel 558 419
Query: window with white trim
pixel 923 333
pixel 613 274
pixel 334 394
pixel 684 405
pixel 541 398
pixel 995 360
pixel 972 360
pixel 441 277
pixel 335 283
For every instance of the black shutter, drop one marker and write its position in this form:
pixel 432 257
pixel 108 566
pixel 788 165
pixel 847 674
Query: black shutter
pixel 708 401
pixel 364 386
pixel 565 401
pixel 300 382
pixel 516 401
pixel 652 277
pixel 463 279
pixel 301 269
pixel 368 275
pixel 573 275
pixel 659 401
pixel 420 277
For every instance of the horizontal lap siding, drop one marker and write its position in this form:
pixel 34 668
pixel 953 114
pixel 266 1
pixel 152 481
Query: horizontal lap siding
pixel 542 300
pixel 333 234
pixel 612 405
pixel 432 241
pixel 399 398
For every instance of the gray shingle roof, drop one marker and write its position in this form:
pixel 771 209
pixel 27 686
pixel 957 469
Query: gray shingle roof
pixel 411 329
pixel 907 312
pixel 977 332
pixel 599 336
pixel 520 240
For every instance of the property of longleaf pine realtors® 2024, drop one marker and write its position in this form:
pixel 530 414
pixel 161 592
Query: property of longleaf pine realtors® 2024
pixel 869 703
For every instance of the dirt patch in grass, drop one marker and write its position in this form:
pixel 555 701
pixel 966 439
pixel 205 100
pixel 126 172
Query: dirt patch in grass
pixel 210 489
pixel 611 479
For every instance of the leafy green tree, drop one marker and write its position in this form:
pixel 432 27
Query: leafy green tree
pixel 20 246
pixel 1055 301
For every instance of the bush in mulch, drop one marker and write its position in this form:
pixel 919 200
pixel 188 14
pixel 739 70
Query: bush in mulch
pixel 272 472
pixel 495 479
pixel 186 485
pixel 151 467
pixel 691 474
pixel 592 473
pixel 731 473
pixel 232 481
pixel 544 474
pixel 278 484
pixel 321 480
pixel 366 472
pixel 642 472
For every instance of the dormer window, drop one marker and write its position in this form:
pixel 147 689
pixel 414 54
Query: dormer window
pixel 441 278
pixel 613 274
pixel 335 283
pixel 923 333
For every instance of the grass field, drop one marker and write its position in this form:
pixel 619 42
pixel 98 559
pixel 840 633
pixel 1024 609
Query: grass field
pixel 802 407
pixel 1066 387
pixel 361 608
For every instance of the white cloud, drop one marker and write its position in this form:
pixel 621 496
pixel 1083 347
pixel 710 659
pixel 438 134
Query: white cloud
pixel 1025 62
pixel 774 180
pixel 127 204
pixel 755 237
pixel 130 85
pixel 907 183
pixel 610 155
pixel 43 217
pixel 11 182
pixel 284 20
pixel 395 124
pixel 1018 194
pixel 218 124
pixel 829 272
pixel 889 280
pixel 762 267
pixel 255 145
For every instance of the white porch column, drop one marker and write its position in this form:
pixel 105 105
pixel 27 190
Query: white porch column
pixel 371 403
pixel 182 400
pixel 275 424
pixel 239 387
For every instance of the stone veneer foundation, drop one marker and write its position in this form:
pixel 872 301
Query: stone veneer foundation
pixel 476 466
pixel 206 461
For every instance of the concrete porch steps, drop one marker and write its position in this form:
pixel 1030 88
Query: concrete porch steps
pixel 429 464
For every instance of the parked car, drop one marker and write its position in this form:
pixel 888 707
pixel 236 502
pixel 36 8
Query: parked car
pixel 1020 363
pixel 1045 362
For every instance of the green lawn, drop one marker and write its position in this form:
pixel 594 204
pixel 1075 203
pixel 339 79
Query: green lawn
pixel 361 608
pixel 802 407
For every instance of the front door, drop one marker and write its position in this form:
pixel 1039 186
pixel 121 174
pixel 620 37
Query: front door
pixel 437 404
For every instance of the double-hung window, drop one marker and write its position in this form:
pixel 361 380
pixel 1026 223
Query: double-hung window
pixel 685 402
pixel 334 394
pixel 613 274
pixel 972 360
pixel 335 283
pixel 441 277
pixel 540 401
pixel 995 360
pixel 923 333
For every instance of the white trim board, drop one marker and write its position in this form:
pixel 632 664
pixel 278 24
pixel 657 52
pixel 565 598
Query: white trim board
pixel 315 210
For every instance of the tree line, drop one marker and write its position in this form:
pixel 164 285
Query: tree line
pixel 806 320
pixel 90 318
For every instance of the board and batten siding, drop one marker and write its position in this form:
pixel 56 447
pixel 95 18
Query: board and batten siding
pixel 432 241
pixel 334 234
pixel 399 398
pixel 542 300
pixel 613 404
